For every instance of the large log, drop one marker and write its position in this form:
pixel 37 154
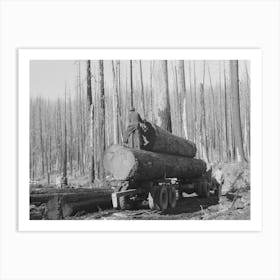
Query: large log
pixel 62 203
pixel 125 163
pixel 159 140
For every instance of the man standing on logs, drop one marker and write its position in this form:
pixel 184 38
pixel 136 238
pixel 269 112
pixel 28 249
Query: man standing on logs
pixel 133 135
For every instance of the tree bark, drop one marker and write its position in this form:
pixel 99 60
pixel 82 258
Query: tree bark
pixel 236 110
pixel 125 164
pixel 161 141
pixel 91 110
pixel 65 143
pixel 115 106
pixel 131 84
pixel 62 203
pixel 142 89
pixel 162 101
pixel 203 119
pixel 183 96
pixel 101 118
pixel 226 116
pixel 41 138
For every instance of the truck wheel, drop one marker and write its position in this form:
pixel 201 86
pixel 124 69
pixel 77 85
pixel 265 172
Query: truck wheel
pixel 152 198
pixel 124 201
pixel 172 200
pixel 152 202
pixel 162 198
pixel 218 191
pixel 204 190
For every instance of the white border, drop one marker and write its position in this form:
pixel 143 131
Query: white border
pixel 24 57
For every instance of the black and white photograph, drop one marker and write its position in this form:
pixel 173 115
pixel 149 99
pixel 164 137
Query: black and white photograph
pixel 139 139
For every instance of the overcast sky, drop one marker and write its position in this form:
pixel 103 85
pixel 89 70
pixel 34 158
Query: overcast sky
pixel 48 77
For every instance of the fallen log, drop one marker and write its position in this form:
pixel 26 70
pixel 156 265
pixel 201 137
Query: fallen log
pixel 125 163
pixel 159 140
pixel 62 203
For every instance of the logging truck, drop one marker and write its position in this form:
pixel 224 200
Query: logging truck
pixel 160 173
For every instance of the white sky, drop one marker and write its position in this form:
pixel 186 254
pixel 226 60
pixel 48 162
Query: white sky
pixel 48 77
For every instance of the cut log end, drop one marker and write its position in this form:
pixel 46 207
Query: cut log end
pixel 119 161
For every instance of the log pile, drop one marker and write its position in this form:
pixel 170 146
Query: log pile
pixel 124 163
pixel 62 203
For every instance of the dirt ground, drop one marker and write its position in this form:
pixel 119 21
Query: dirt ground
pixel 234 204
pixel 228 207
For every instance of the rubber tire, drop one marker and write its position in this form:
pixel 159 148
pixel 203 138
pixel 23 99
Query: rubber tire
pixel 198 189
pixel 204 190
pixel 172 198
pixel 124 201
pixel 152 202
pixel 218 191
pixel 162 198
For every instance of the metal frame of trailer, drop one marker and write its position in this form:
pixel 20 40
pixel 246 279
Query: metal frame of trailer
pixel 161 194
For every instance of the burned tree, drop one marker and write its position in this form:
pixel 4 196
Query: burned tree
pixel 161 100
pixel 234 82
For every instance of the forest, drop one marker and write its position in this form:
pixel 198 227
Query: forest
pixel 207 102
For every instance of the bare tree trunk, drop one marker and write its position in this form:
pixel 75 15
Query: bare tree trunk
pixel 220 125
pixel 182 94
pixel 234 81
pixel 162 101
pixel 91 109
pixel 131 85
pixel 203 113
pixel 177 124
pixel 142 89
pixel 81 121
pixel 102 118
pixel 214 118
pixel 119 103
pixel 195 105
pixel 64 174
pixel 70 149
pixel 192 106
pixel 248 108
pixel 115 106
pixel 151 91
pixel 50 154
pixel 226 116
pixel 41 138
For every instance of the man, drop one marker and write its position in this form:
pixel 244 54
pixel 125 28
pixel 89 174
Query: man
pixel 133 136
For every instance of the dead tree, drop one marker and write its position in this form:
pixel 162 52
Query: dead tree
pixel 131 84
pixel 226 115
pixel 162 101
pixel 64 174
pixel 183 96
pixel 70 148
pixel 115 106
pixel 234 81
pixel 41 138
pixel 142 89
pixel 101 119
pixel 203 119
pixel 91 110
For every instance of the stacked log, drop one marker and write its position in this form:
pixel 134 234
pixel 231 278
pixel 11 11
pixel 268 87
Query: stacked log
pixel 126 164
pixel 159 140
